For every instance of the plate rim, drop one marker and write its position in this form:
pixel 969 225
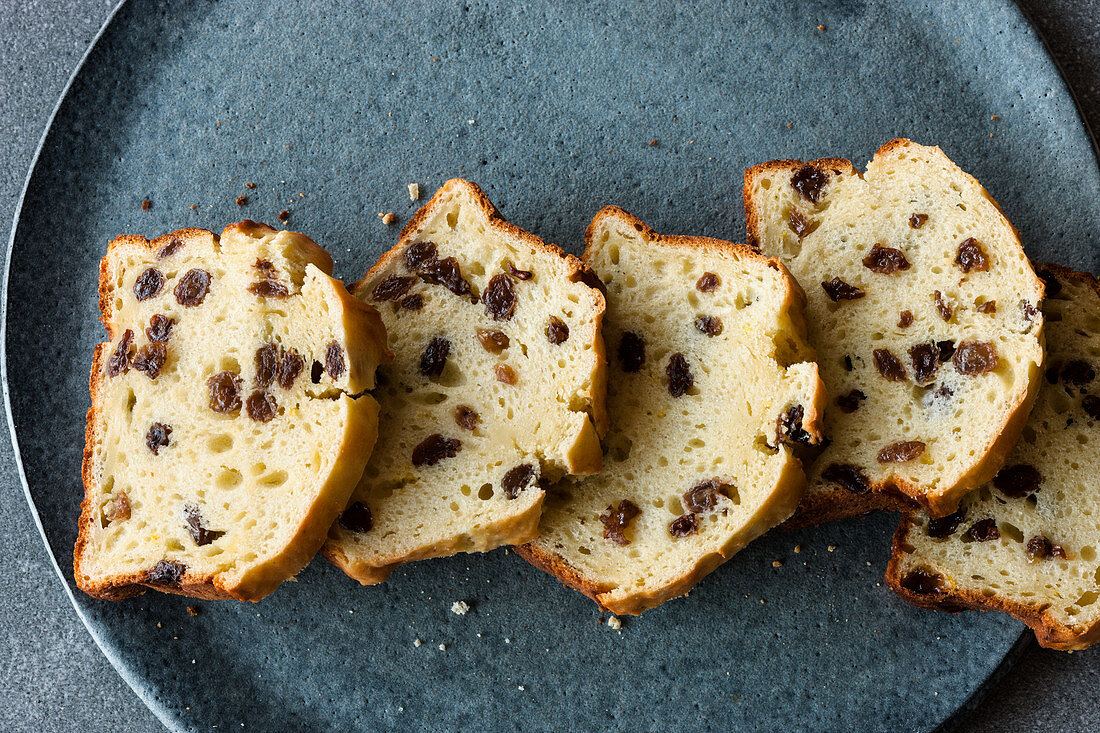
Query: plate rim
pixel 159 709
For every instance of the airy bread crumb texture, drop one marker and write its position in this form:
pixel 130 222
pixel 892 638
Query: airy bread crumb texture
pixel 497 387
pixel 1026 543
pixel 711 384
pixel 925 314
pixel 223 437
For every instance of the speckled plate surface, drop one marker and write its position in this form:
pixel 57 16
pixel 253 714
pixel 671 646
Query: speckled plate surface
pixel 332 109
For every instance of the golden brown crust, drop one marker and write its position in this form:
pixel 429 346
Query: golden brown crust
pixel 789 487
pixel 896 494
pixel 359 439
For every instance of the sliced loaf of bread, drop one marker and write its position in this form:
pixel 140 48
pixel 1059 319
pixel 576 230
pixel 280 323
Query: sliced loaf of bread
pixel 227 427
pixel 925 315
pixel 497 387
pixel 713 387
pixel 1027 542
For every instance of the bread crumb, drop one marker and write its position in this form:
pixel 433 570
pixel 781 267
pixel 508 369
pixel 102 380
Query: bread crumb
pixel 507 641
pixel 414 191
pixel 192 207
pixel 652 143
pixel 250 185
pixel 388 218
pixel 242 200
pixel 283 215
pixel 146 204
pixel 995 117
pixel 868 563
pixel 821 27
pixel 797 549
pixel 522 688
pixel 460 608
pixel 777 563
pixel 614 623
pixel 442 647
pixel 418 643
pixel 470 122
pixel 194 610
pixel 158 625
pixel 832 547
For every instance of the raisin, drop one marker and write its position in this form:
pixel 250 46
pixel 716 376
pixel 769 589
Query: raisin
pixel 334 360
pixel 267 364
pixel 150 359
pixel 517 479
pixel 945 309
pixel 434 358
pixel 413 302
pixel 1078 372
pixel 971 256
pixel 289 368
pixel 157 437
pixel 1038 547
pixel 848 477
pixel 847 363
pixel 975 357
pixel 493 341
pixel 435 448
pixel 788 427
pixel 946 526
pixel 119 363
pixel 356 518
pixel 1028 311
pixel 316 371
pixel 680 379
pixel 707 282
pixel 446 273
pixel 889 366
pixel 989 306
pixel 885 260
pixel 617 519
pixel 923 582
pixel 225 392
pixel 902 451
pixel 160 328
pixel 266 268
pixel 703 497
pixel 926 361
pixel 916 221
pixel 905 319
pixel 268 289
pixel 1057 551
pixel 467 417
pixel 798 223
pixel 148 284
pixel 169 249
pixel 1091 405
pixel 984 530
pixel 192 288
pixel 392 288
pixel 419 255
pixel 517 273
pixel 838 290
pixel 1018 480
pixel 166 572
pixel 119 508
pixel 631 352
pixel 710 325
pixel 849 403
pixel 505 374
pixel 199 533
pixel 1051 283
pixel 556 331
pixel 684 525
pixel 261 406
pixel 810 183
pixel 589 278
pixel 947 350
pixel 500 298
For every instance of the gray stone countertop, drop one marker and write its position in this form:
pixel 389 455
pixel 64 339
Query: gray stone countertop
pixel 54 677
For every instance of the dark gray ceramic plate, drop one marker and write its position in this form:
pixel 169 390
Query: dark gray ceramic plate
pixel 332 110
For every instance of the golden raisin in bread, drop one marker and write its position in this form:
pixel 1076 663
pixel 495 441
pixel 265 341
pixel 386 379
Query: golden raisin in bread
pixel 925 315
pixel 497 387
pixel 227 428
pixel 712 389
pixel 1026 543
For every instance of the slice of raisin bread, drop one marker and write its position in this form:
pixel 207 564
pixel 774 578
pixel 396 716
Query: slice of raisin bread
pixel 925 315
pixel 713 385
pixel 1027 542
pixel 497 387
pixel 227 426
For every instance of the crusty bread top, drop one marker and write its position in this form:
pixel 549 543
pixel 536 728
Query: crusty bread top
pixel 916 285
